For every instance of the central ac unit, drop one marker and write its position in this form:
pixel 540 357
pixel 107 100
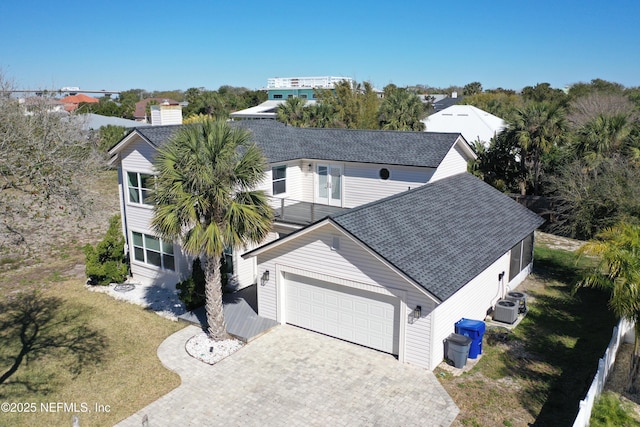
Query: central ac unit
pixel 506 311
pixel 519 298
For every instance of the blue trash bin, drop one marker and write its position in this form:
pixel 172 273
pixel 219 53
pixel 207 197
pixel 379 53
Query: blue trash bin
pixel 473 329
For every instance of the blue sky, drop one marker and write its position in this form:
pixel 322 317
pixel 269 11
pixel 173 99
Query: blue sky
pixel 164 45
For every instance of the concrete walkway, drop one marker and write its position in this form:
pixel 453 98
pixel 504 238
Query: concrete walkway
pixel 293 377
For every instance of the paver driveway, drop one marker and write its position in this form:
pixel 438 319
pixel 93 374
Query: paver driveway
pixel 290 377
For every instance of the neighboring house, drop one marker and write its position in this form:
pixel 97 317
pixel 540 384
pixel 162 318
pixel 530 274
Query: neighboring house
pixel 40 103
pixel 279 89
pixel 96 121
pixel 445 101
pixel 473 123
pixel 370 227
pixel 72 102
pixel 140 112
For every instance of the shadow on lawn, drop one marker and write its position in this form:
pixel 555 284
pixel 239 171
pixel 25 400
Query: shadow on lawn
pixel 563 337
pixel 34 326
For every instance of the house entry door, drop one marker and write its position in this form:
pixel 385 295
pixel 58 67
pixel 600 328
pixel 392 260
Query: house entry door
pixel 330 185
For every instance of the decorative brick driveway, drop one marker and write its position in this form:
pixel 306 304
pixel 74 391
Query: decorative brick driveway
pixel 291 377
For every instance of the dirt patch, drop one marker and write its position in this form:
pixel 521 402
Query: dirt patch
pixel 558 242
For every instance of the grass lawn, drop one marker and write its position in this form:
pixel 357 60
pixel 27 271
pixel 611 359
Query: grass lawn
pixel 538 372
pixel 89 348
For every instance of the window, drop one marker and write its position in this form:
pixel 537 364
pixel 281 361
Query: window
pixel 289 96
pixel 152 250
pixel 140 185
pixel 279 177
pixel 521 256
pixel 277 96
pixel 303 96
pixel 384 173
pixel 228 259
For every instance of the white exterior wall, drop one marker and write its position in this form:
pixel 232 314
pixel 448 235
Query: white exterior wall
pixel 138 157
pixel 245 270
pixel 470 302
pixel 351 265
pixel 362 182
pixel 454 163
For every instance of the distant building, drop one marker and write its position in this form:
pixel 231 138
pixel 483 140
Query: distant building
pixel 140 113
pixel 73 101
pixel 473 123
pixel 279 89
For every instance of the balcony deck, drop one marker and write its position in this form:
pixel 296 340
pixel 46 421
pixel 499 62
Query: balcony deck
pixel 301 213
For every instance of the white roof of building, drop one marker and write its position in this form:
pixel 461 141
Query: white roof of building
pixel 473 123
pixel 266 110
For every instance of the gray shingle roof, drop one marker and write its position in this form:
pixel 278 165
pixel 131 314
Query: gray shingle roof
pixel 442 234
pixel 282 143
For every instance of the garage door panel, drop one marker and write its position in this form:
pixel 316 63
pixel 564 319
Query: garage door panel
pixel 350 314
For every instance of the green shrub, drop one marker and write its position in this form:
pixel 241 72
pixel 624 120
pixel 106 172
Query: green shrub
pixel 106 262
pixel 192 289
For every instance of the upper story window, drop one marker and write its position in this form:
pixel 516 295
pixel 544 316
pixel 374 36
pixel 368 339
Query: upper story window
pixel 277 96
pixel 153 250
pixel 289 96
pixel 279 178
pixel 303 96
pixel 139 185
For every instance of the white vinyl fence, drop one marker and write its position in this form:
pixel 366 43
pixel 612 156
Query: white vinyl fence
pixel 605 365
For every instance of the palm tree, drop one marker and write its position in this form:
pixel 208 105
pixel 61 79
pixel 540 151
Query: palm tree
pixel 603 136
pixel 618 271
pixel 204 199
pixel 401 110
pixel 292 112
pixel 538 128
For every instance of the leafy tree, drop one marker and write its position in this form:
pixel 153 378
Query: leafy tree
pixel 110 135
pixel 401 110
pixel 578 90
pixel 355 107
pixel 544 92
pixel 589 198
pixel 204 200
pixel 618 271
pixel 497 164
pixel 503 105
pixel 45 162
pixel 472 88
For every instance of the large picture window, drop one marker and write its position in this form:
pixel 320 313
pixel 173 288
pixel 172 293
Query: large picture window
pixel 279 177
pixel 140 185
pixel 152 250
pixel 521 256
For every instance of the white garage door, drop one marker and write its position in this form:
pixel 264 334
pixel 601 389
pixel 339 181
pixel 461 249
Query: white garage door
pixel 362 317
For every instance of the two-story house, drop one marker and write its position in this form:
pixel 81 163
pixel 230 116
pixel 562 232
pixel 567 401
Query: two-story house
pixel 380 237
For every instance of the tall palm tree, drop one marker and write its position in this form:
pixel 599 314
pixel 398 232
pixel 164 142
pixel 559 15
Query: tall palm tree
pixel 537 129
pixel 205 200
pixel 603 136
pixel 618 271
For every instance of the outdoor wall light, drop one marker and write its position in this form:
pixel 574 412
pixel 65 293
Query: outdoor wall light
pixel 417 312
pixel 265 277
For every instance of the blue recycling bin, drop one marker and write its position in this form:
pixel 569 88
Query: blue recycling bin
pixel 473 329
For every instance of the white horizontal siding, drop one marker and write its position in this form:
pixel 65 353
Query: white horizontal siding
pixel 244 270
pixel 311 255
pixel 138 157
pixel 470 302
pixel 362 182
pixel 454 163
